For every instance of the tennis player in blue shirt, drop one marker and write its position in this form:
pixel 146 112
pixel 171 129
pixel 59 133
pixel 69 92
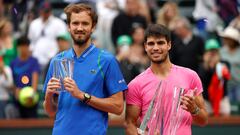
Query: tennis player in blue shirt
pixel 97 85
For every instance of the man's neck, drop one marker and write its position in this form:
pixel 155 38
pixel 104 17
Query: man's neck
pixel 80 49
pixel 45 19
pixel 161 70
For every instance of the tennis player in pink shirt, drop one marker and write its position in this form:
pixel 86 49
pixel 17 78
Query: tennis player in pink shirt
pixel 142 89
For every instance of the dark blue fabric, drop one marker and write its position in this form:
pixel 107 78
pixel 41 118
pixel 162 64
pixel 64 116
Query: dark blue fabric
pixel 24 68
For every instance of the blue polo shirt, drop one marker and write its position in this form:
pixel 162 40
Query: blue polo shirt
pixel 97 73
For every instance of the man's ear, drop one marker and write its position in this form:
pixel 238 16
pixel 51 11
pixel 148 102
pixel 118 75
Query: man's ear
pixel 94 28
pixel 169 45
pixel 68 27
pixel 145 46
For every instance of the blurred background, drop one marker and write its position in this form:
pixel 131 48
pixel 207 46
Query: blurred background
pixel 205 38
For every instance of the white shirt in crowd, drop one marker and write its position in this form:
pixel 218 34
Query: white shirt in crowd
pixel 5 83
pixel 43 38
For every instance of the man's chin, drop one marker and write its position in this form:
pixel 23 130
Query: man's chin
pixel 158 61
pixel 79 43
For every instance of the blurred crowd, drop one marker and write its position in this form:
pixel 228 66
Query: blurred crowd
pixel 207 42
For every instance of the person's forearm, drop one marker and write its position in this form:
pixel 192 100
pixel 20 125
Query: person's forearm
pixel 107 105
pixel 35 80
pixel 8 81
pixel 113 104
pixel 50 105
pixel 201 118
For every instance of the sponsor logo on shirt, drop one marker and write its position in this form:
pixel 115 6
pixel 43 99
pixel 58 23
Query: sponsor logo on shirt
pixel 93 71
pixel 121 81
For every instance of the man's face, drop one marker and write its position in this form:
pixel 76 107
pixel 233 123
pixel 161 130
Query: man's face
pixel 138 35
pixel 80 27
pixel 157 49
pixel 45 14
pixel 23 50
pixel 180 29
pixel 63 45
pixel 132 7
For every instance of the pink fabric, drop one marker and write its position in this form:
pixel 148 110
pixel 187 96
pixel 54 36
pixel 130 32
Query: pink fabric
pixel 142 88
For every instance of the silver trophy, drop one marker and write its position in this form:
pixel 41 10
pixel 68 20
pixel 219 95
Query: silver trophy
pixel 62 68
pixel 154 120
pixel 154 115
pixel 176 111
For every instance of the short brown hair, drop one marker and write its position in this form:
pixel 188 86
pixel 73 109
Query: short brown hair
pixel 157 30
pixel 77 8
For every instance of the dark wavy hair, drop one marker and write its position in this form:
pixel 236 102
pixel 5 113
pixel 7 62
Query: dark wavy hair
pixel 157 30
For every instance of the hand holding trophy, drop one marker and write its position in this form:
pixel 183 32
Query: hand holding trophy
pixel 154 121
pixel 62 68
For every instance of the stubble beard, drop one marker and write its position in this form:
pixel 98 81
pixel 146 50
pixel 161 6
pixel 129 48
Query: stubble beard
pixel 80 42
pixel 161 60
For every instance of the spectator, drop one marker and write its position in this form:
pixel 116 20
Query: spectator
pixel 42 34
pixel 123 22
pixel 187 48
pixel 215 74
pixel 6 82
pixel 167 13
pixel 138 55
pixel 207 20
pixel 64 42
pixel 144 10
pixel 153 7
pixel 107 11
pixel 235 23
pixel 230 52
pixel 25 71
pixel 128 69
pixel 7 42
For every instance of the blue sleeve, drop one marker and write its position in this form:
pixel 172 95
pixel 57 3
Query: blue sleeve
pixel 114 80
pixel 48 76
pixel 36 67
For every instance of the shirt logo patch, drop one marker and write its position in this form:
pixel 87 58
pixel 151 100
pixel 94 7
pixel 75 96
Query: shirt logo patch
pixel 121 81
pixel 93 71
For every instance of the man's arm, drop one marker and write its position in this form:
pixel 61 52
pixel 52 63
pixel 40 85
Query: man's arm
pixel 201 118
pixel 195 105
pixel 132 114
pixel 112 104
pixel 50 105
pixel 51 97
